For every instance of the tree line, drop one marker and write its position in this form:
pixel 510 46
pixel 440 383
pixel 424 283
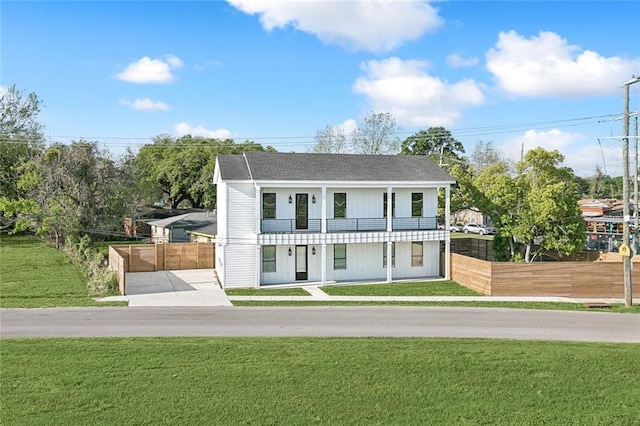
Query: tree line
pixel 66 191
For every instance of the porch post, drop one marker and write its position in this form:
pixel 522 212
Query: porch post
pixel 258 211
pixel 323 267
pixel 323 214
pixel 258 265
pixel 447 241
pixel 389 209
pixel 389 262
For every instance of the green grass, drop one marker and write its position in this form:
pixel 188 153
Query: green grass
pixel 34 275
pixel 267 292
pixel 229 381
pixel 428 288
pixel 554 306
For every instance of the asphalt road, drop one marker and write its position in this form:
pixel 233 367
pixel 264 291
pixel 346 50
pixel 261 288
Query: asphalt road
pixel 325 321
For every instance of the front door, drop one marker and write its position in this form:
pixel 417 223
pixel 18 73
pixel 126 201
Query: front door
pixel 302 211
pixel 301 263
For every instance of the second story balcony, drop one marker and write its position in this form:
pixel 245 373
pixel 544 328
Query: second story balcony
pixel 290 226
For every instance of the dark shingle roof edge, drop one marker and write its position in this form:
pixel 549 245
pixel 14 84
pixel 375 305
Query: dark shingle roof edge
pixel 266 166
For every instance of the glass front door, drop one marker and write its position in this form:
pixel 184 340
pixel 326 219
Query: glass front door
pixel 301 263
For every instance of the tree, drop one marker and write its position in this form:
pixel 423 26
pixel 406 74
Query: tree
pixel 376 134
pixel 485 155
pixel 437 143
pixel 79 191
pixel 445 150
pixel 329 140
pixel 180 170
pixel 21 143
pixel 538 203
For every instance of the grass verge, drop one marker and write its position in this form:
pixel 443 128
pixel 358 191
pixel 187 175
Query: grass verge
pixel 35 275
pixel 267 292
pixel 429 288
pixel 168 381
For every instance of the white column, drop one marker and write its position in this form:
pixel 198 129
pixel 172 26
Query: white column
pixel 258 265
pixel 258 211
pixel 389 209
pixel 389 262
pixel 447 241
pixel 323 215
pixel 324 265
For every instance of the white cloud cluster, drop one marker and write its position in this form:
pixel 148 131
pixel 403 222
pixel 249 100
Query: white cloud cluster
pixel 145 104
pixel 146 70
pixel 183 128
pixel 456 60
pixel 547 65
pixel 412 96
pixel 372 25
pixel 3 90
pixel 582 157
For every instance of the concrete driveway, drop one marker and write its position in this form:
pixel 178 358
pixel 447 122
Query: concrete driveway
pixel 191 287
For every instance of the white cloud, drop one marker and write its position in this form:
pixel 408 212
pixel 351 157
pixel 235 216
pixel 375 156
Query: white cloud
pixel 3 90
pixel 348 126
pixel 546 65
pixel 146 70
pixel 183 128
pixel 413 97
pixel 146 104
pixel 456 60
pixel 579 155
pixel 378 25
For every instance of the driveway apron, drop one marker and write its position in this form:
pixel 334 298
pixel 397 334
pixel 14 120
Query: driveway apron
pixel 191 287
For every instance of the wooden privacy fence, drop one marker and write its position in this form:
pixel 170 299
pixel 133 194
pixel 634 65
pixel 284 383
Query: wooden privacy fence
pixel 561 279
pixel 159 257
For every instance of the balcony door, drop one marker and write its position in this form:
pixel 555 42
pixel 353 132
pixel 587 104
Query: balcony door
pixel 301 263
pixel 302 211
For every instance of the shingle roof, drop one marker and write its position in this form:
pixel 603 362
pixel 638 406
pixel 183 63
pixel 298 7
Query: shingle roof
pixel 233 167
pixel 190 221
pixel 267 166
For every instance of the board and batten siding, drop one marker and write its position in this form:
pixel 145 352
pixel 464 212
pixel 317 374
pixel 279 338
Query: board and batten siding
pixel 240 253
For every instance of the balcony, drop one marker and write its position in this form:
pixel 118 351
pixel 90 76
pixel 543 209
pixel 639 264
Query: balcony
pixel 289 226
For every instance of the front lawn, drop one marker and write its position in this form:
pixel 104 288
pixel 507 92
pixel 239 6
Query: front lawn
pixel 424 288
pixel 33 275
pixel 171 381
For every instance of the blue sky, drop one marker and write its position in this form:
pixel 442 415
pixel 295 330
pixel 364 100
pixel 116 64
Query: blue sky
pixel 541 73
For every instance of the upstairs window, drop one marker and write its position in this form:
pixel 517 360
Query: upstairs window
pixel 393 204
pixel 269 205
pixel 416 204
pixel 340 205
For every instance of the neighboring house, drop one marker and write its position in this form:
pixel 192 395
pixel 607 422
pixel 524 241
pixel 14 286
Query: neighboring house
pixel 176 229
pixel 472 215
pixel 290 218
pixel 138 226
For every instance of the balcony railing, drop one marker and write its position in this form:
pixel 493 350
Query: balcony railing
pixel 414 223
pixel 289 226
pixel 356 225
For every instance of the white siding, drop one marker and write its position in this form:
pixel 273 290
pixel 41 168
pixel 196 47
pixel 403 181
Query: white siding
pixel 240 251
pixel 364 262
pixel 431 261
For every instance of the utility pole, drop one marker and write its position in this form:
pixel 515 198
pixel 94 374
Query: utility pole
pixel 626 259
pixel 636 232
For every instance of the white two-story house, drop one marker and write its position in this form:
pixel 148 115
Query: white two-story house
pixel 292 218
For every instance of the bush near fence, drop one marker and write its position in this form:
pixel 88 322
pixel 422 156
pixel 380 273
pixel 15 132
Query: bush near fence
pixel 159 257
pixel 602 279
